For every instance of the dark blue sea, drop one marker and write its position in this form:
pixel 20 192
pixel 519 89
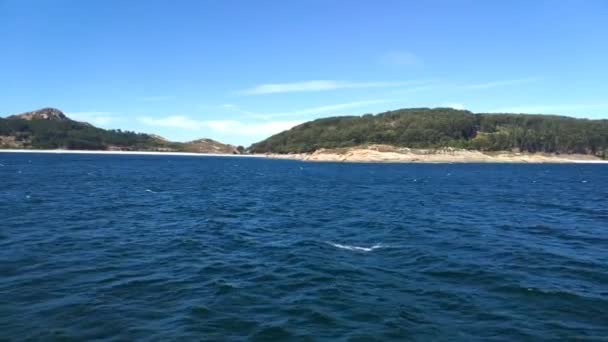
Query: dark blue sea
pixel 209 248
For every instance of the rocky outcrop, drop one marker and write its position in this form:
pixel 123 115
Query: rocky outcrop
pixel 393 154
pixel 42 114
pixel 8 141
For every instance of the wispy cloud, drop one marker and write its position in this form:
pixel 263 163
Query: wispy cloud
pixel 501 83
pixel 401 59
pixel 320 85
pixel 329 85
pixel 94 118
pixel 333 109
pixel 228 127
pixel 450 86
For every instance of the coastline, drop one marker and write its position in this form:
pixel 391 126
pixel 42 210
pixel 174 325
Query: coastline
pixel 140 153
pixel 390 154
pixel 370 154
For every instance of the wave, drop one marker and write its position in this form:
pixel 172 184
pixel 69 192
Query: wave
pixel 148 190
pixel 356 248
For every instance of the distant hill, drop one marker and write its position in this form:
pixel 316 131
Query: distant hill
pixel 42 114
pixel 49 128
pixel 445 127
pixel 210 146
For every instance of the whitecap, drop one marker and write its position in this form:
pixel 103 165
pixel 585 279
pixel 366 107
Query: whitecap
pixel 356 248
pixel 148 190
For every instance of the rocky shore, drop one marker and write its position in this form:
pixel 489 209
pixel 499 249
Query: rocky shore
pixel 390 154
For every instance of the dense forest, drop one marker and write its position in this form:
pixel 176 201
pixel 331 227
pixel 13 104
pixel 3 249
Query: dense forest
pixel 445 127
pixel 52 134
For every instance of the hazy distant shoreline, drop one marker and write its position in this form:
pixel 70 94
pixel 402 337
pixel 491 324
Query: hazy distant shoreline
pixel 367 155
pixel 143 153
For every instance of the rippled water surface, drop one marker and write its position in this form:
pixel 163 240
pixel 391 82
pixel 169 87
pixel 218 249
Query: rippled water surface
pixel 201 248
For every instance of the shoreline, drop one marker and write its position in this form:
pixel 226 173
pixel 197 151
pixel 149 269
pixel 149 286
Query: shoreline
pixel 136 153
pixel 391 154
pixel 372 154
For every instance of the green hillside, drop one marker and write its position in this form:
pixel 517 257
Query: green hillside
pixel 53 134
pixel 445 127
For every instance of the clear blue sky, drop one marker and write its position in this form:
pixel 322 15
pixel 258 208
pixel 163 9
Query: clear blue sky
pixel 238 71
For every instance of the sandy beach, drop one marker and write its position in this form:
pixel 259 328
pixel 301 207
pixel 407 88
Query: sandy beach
pixel 390 154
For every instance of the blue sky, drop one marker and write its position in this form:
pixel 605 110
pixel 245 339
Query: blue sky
pixel 239 71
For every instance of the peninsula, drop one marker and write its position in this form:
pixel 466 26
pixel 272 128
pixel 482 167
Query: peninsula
pixel 441 135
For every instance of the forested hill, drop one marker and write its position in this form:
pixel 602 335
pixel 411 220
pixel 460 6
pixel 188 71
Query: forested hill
pixel 445 127
pixel 49 128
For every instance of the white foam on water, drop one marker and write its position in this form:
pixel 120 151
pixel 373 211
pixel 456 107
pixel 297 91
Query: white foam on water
pixel 356 248
pixel 148 190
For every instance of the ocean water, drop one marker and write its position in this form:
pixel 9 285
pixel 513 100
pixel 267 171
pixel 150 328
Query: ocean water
pixel 202 248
